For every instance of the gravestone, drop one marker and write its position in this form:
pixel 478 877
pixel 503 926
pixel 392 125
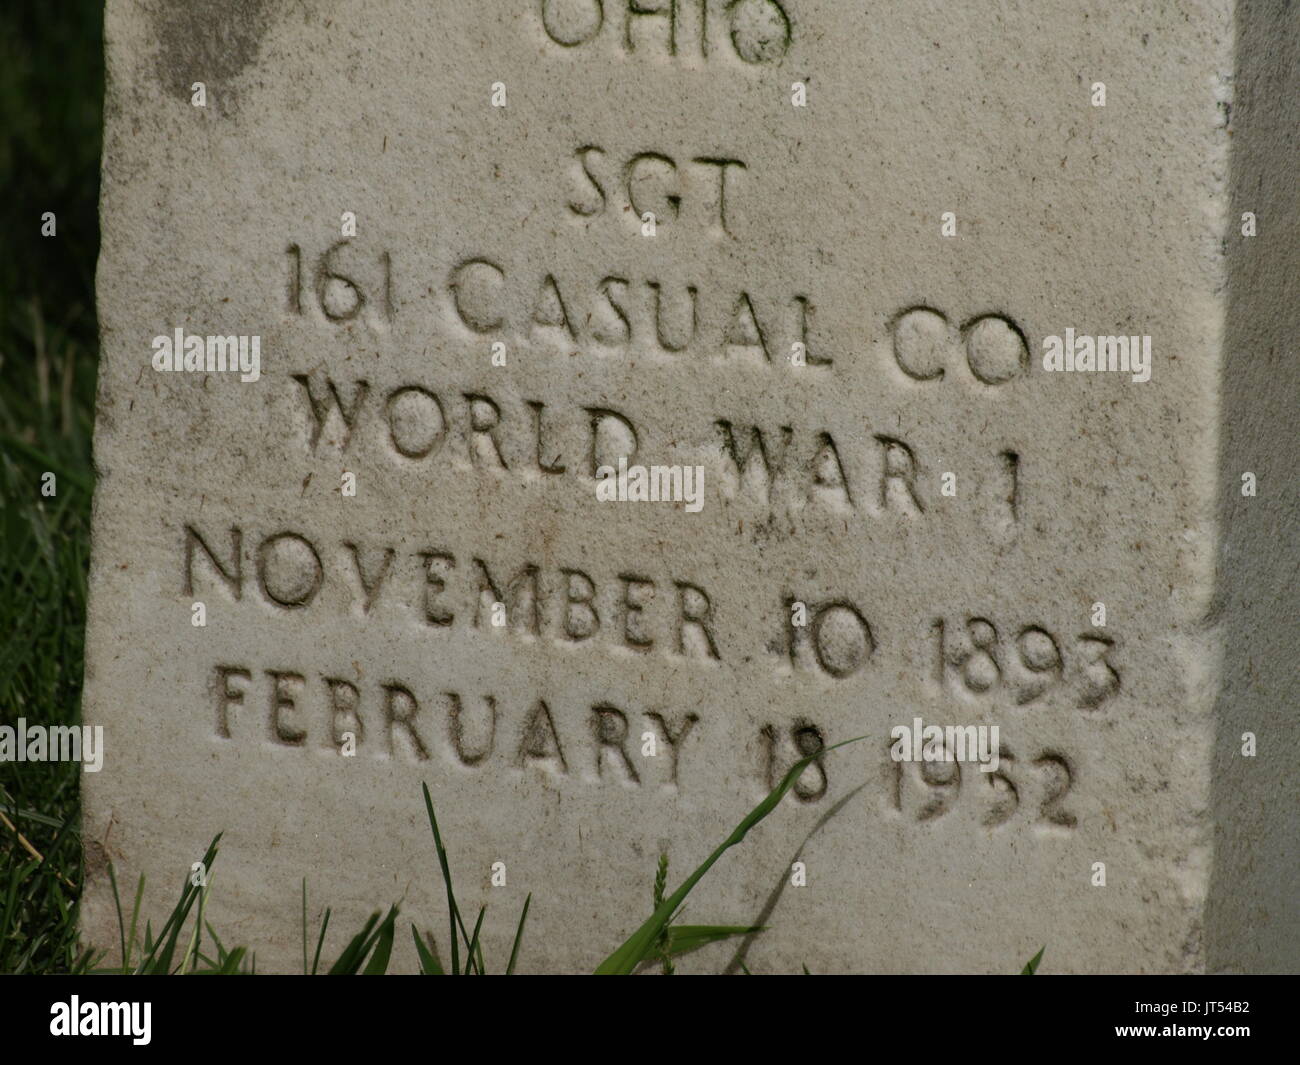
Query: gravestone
pixel 961 339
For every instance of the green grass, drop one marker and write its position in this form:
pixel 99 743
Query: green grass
pixel 657 941
pixel 45 426
pixel 49 161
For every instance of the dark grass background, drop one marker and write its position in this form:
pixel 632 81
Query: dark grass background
pixel 51 95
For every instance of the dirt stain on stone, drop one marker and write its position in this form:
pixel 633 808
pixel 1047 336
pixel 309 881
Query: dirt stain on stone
pixel 211 41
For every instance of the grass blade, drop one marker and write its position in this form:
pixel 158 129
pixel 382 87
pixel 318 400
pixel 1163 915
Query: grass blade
pixel 684 938
pixel 634 950
pixel 156 963
pixel 429 964
pixel 304 926
pixel 376 936
pixel 117 904
pixel 474 955
pixel 135 922
pixel 452 914
pixel 378 964
pixel 320 941
pixel 519 935
pixel 196 937
pixel 350 960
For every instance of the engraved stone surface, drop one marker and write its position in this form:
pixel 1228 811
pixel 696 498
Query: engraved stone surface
pixel 826 253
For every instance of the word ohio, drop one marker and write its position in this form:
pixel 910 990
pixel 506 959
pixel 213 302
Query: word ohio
pixel 651 484
pixel 191 353
pixel 951 743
